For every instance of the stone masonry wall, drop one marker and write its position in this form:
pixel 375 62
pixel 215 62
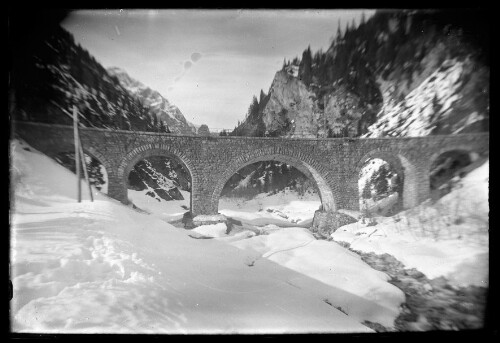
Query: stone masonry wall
pixel 333 163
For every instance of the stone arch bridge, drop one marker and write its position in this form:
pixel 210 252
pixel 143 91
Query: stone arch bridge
pixel 332 163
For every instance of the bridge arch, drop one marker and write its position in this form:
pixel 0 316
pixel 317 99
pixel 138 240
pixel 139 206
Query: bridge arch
pixel 87 150
pixel 473 154
pixel 147 150
pixel 438 172
pixel 310 168
pixel 403 167
pixel 388 156
pixel 101 158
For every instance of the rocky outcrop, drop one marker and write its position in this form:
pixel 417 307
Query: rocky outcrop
pixel 343 114
pixel 291 107
pixel 294 110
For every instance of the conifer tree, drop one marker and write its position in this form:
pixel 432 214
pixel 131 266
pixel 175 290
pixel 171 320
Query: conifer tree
pixel 339 32
pixel 261 128
pixel 164 128
pixel 305 68
pixel 96 177
pixel 261 96
pixel 379 180
pixel 253 110
pixel 367 193
pixel 154 122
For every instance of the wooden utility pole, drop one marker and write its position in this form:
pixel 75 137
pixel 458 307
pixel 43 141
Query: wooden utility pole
pixel 84 166
pixel 77 152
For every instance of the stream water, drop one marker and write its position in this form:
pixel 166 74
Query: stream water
pixel 430 304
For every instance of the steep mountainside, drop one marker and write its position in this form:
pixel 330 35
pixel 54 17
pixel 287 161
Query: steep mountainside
pixel 400 73
pixel 453 99
pixel 57 73
pixel 60 73
pixel 51 73
pixel 170 114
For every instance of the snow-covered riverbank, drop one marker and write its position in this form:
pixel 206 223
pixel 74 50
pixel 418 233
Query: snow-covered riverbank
pixel 103 267
pixel 447 238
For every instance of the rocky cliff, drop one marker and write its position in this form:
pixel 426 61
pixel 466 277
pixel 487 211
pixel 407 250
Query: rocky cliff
pixel 400 73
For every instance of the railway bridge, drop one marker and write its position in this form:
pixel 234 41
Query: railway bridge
pixel 332 163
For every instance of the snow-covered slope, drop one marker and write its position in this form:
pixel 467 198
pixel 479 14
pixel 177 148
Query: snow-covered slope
pixel 447 238
pixel 54 74
pixel 157 177
pixel 429 108
pixel 103 267
pixel 164 110
pixel 274 227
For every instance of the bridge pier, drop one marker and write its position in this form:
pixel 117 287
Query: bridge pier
pixel 116 188
pixel 326 222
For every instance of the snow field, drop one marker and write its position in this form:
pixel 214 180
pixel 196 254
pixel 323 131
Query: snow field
pixel 284 209
pixel 448 238
pixel 360 291
pixel 348 283
pixel 166 210
pixel 215 230
pixel 101 267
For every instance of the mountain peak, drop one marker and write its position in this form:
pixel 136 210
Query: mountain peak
pixel 125 79
pixel 160 106
pixel 115 70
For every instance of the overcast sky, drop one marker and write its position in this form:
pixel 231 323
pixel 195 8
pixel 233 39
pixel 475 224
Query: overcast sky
pixel 209 63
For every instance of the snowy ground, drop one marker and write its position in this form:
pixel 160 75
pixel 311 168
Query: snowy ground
pixel 448 238
pixel 382 206
pixel 285 208
pixel 274 226
pixel 166 210
pixel 103 267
